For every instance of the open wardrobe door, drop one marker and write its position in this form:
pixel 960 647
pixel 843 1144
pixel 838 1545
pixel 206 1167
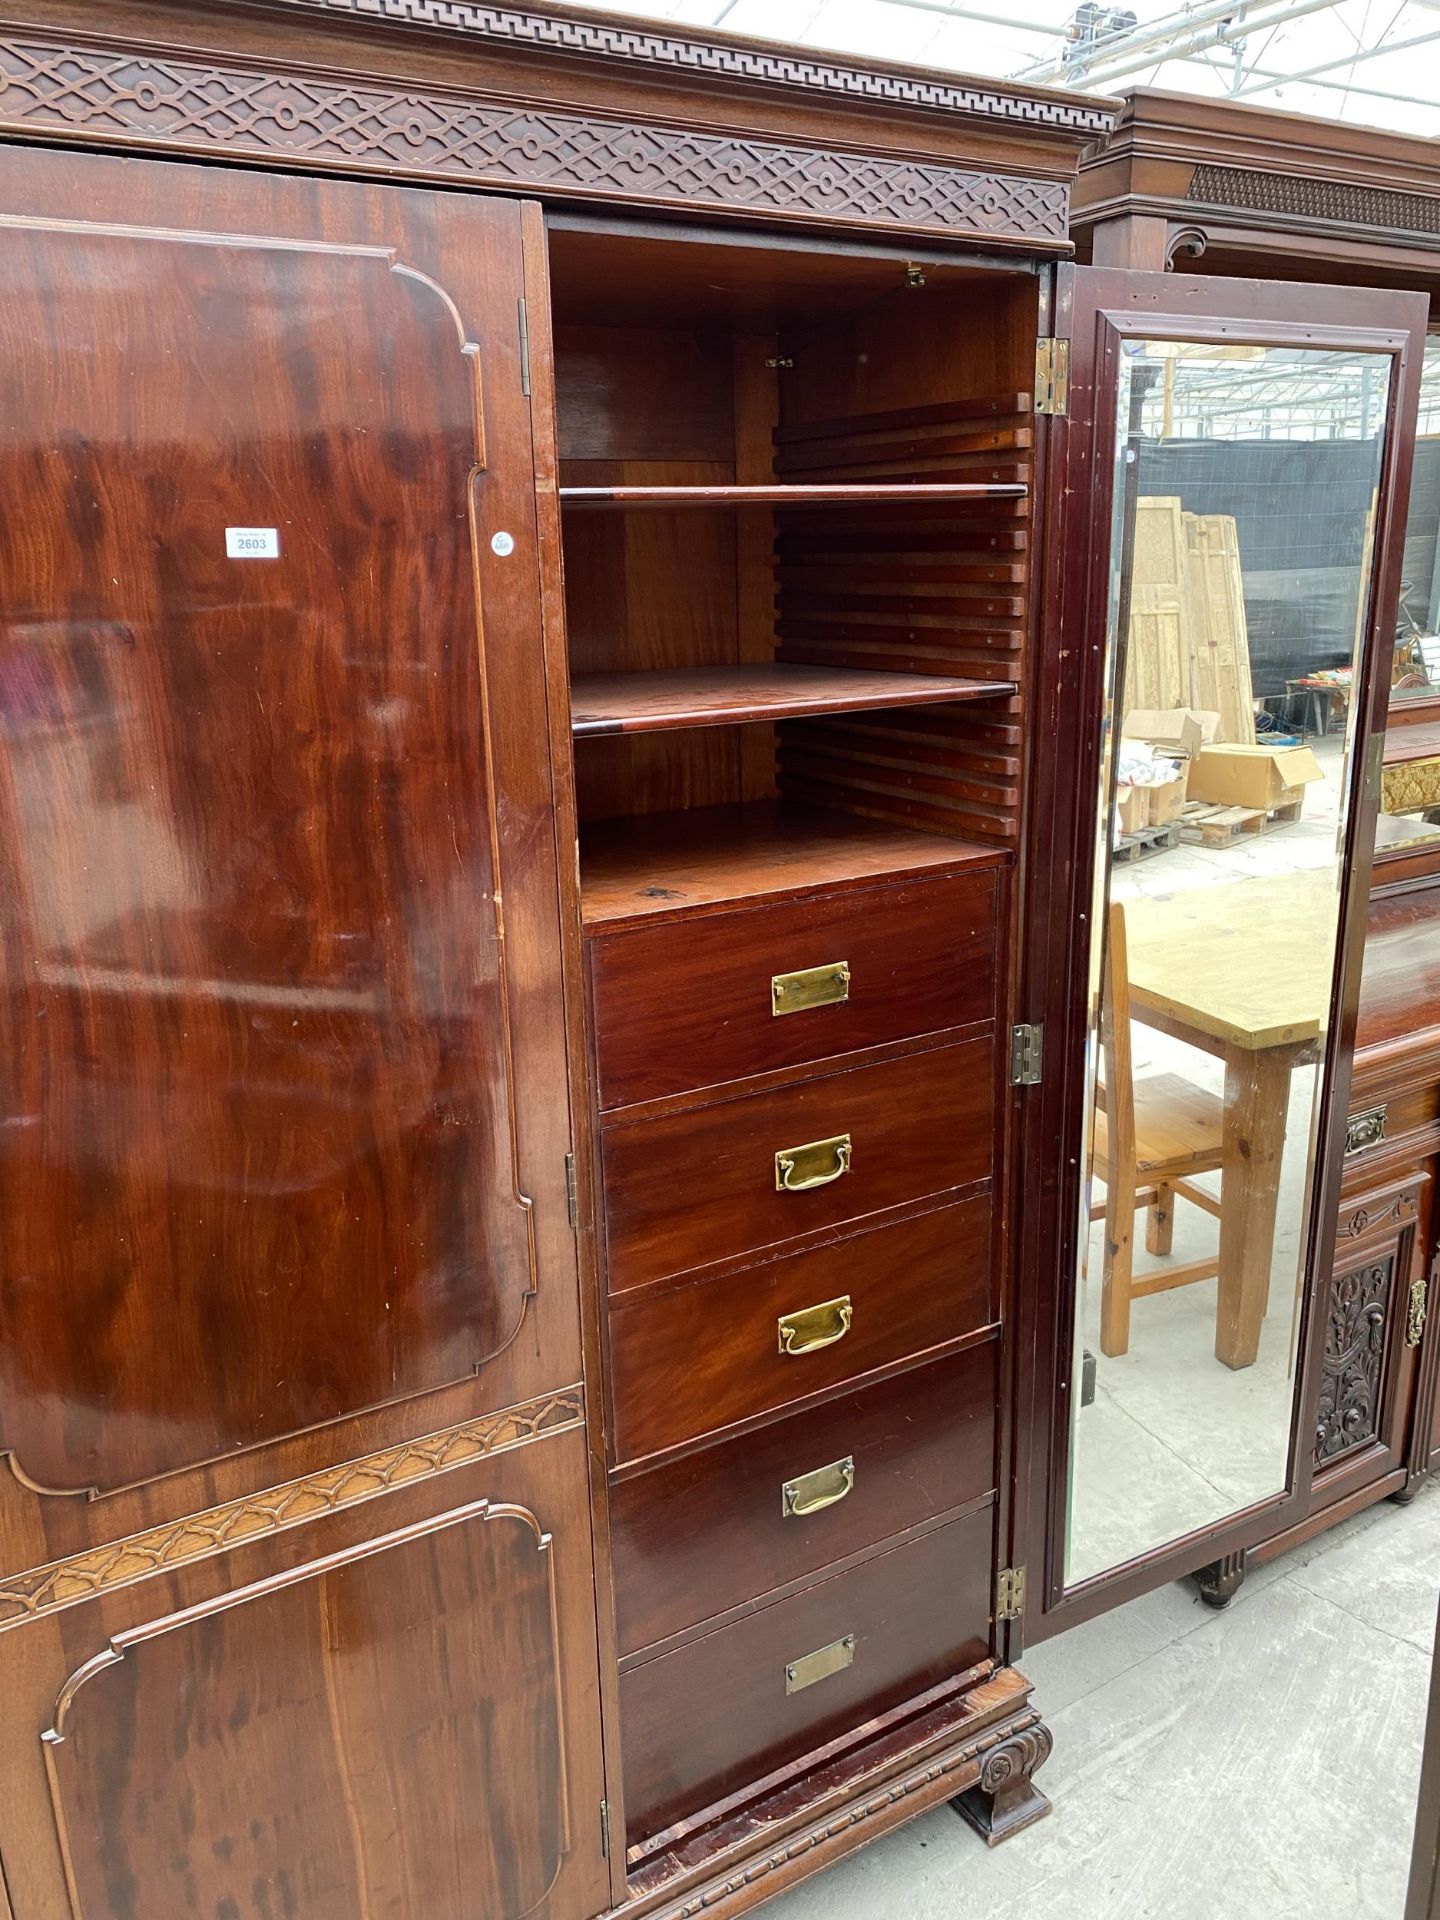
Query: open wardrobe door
pixel 1227 482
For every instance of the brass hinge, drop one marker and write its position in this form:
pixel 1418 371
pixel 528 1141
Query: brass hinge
pixel 524 346
pixel 605 1828
pixel 572 1194
pixel 1009 1593
pixel 1027 1056
pixel 1415 1319
pixel 1052 375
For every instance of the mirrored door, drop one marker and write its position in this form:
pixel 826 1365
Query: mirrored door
pixel 1248 482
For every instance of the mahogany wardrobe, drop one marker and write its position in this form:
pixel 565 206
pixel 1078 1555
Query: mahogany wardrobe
pixel 558 590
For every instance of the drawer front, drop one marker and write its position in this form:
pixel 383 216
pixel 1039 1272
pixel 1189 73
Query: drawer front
pixel 692 1188
pixel 699 1723
pixel 708 1354
pixel 716 1528
pixel 692 1003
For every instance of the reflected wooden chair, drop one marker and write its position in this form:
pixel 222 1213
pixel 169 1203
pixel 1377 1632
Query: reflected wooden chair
pixel 1152 1136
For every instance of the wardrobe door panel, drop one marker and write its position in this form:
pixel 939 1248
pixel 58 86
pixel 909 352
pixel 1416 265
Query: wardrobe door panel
pixel 386 1709
pixel 333 1730
pixel 258 1159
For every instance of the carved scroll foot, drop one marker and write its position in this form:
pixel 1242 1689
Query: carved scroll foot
pixel 1005 1798
pixel 1222 1579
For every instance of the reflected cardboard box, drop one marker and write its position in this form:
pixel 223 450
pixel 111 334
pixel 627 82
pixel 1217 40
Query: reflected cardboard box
pixel 1259 777
pixel 1177 732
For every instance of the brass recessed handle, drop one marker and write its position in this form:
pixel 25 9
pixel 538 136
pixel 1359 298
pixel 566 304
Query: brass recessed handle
pixel 812 987
pixel 816 1164
pixel 810 1328
pixel 813 1492
pixel 819 1665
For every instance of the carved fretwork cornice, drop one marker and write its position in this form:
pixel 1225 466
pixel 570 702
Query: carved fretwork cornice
pixel 1183 158
pixel 638 44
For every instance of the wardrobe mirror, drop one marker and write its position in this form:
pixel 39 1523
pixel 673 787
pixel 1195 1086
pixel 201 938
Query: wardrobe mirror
pixel 1239 587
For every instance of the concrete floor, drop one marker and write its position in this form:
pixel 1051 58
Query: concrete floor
pixel 1259 1764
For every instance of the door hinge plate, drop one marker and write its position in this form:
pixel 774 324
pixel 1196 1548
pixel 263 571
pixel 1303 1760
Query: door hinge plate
pixel 1052 375
pixel 1027 1056
pixel 572 1192
pixel 605 1828
pixel 1009 1593
pixel 1415 1318
pixel 524 313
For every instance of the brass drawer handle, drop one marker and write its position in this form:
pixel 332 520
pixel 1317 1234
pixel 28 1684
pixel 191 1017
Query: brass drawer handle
pixel 813 987
pixel 810 1328
pixel 1366 1129
pixel 816 1164
pixel 819 1665
pixel 813 1492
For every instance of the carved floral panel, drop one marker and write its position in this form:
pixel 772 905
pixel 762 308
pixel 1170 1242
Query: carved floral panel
pixel 1359 1318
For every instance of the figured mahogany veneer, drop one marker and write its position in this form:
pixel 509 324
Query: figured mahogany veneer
pixel 706 1355
pixel 318 1691
pixel 688 1003
pixel 659 702
pixel 918 1614
pixel 691 1188
pixel 278 1129
pixel 707 1532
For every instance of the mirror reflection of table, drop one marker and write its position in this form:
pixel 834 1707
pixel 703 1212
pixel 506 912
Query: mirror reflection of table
pixel 1242 971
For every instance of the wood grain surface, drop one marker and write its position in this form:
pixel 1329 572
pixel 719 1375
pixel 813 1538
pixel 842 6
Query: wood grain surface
pixel 708 1532
pixel 330 1724
pixel 703 1356
pixel 696 1187
pixel 688 1003
pixel 257 1167
pixel 674 863
pixel 698 1722
pixel 659 702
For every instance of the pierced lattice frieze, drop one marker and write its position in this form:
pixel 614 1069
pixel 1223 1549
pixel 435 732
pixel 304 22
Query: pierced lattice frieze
pixel 312 119
pixel 1337 200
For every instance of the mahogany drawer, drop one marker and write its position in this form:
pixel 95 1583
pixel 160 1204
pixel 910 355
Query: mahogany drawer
pixel 698 1723
pixel 708 1354
pixel 686 1004
pixel 733 1522
pixel 691 1188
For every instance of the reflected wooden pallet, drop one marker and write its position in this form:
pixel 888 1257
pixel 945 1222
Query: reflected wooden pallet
pixel 1203 825
pixel 1145 843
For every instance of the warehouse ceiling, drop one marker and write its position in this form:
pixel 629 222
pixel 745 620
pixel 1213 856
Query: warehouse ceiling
pixel 1372 61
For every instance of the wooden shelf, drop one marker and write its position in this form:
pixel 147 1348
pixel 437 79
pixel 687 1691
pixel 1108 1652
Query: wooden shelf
pixel 856 494
pixel 660 701
pixel 1406 743
pixel 677 863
